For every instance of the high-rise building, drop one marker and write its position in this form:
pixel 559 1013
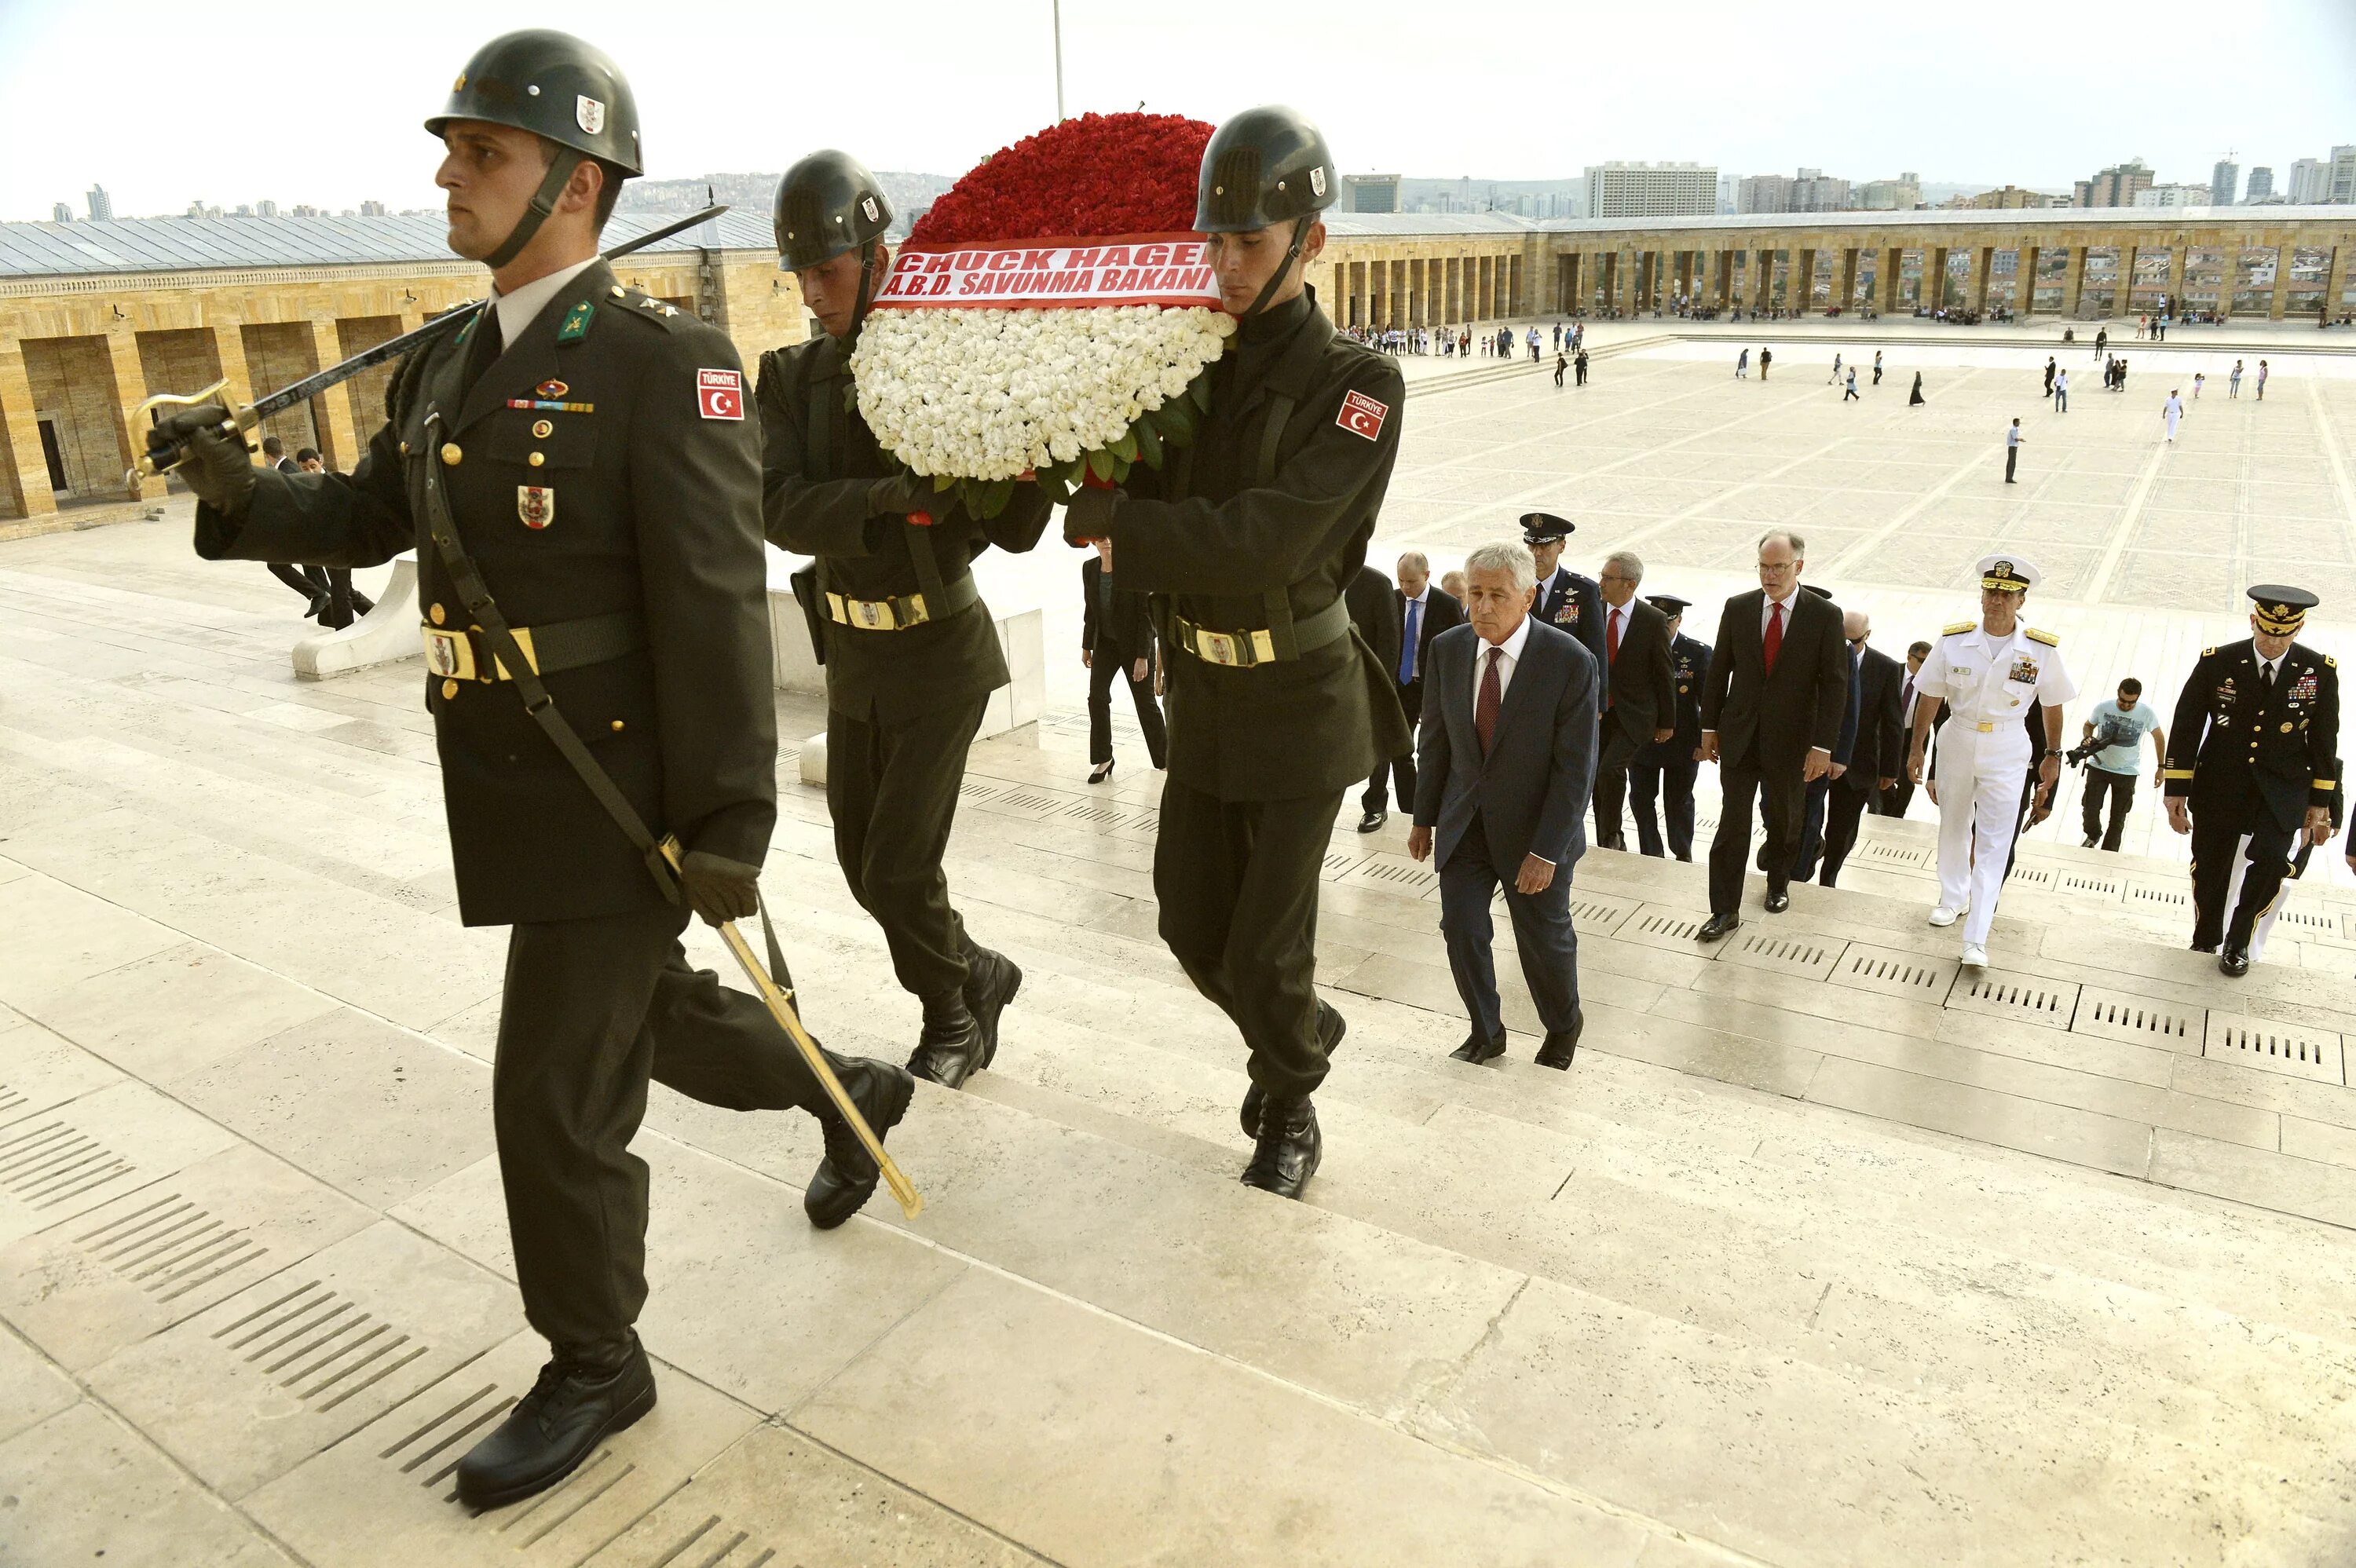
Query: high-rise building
pixel 1370 193
pixel 2175 196
pixel 1809 190
pixel 1900 194
pixel 1763 193
pixel 2114 187
pixel 2340 179
pixel 2308 181
pixel 1651 190
pixel 101 205
pixel 61 213
pixel 1729 190
pixel 2261 183
pixel 266 210
pixel 372 209
pixel 2225 180
pixel 302 210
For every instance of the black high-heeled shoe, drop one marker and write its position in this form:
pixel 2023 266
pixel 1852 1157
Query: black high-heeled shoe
pixel 1100 772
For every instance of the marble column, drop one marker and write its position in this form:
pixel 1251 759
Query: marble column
pixel 2073 279
pixel 2229 274
pixel 130 390
pixel 2335 285
pixel 2280 304
pixel 2123 298
pixel 337 436
pixel 2024 281
pixel 1763 286
pixel 2178 258
pixel 24 481
pixel 1894 264
pixel 1847 300
pixel 1983 263
pixel 1932 292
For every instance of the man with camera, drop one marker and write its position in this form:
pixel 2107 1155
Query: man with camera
pixel 2108 744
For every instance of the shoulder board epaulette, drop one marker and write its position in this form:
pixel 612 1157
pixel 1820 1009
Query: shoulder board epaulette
pixel 1958 626
pixel 644 306
pixel 2048 639
pixel 2331 663
pixel 2206 652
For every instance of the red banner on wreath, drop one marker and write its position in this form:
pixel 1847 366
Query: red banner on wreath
pixel 1049 274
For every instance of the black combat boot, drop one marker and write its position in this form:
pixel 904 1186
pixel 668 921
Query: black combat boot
pixel 1288 1148
pixel 991 979
pixel 952 1046
pixel 584 1396
pixel 846 1178
pixel 1330 1027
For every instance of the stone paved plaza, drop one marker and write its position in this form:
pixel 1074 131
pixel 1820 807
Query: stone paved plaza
pixel 1822 1253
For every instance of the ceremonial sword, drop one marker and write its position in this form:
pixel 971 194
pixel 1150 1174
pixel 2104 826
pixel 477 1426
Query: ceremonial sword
pixel 162 455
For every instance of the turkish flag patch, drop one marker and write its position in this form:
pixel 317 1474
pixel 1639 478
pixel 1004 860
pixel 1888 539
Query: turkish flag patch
pixel 1361 415
pixel 720 394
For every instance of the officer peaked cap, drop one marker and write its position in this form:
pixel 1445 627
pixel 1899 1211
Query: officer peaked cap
pixel 2007 574
pixel 1668 604
pixel 2281 611
pixel 1544 527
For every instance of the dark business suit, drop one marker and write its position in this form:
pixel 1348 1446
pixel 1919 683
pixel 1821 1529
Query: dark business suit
pixel 1116 631
pixel 1641 696
pixel 1895 799
pixel 1766 724
pixel 1878 752
pixel 1669 766
pixel 1436 612
pixel 1527 796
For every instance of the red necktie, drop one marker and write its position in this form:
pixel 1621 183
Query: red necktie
pixel 1775 637
pixel 1611 649
pixel 1484 711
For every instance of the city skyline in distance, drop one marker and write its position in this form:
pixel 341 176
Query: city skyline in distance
pixel 933 86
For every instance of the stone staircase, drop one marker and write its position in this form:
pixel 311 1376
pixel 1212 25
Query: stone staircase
pixel 1821 1253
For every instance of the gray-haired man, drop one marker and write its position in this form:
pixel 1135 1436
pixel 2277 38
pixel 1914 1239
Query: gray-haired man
pixel 1640 702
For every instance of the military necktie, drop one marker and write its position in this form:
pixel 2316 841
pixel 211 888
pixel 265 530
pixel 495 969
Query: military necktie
pixel 1484 711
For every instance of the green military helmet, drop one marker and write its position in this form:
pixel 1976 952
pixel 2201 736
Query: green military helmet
pixel 554 85
pixel 1264 167
pixel 828 203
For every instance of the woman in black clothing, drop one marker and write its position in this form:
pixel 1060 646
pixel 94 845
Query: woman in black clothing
pixel 1915 398
pixel 1116 637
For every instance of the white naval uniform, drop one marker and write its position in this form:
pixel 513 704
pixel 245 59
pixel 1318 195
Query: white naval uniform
pixel 1988 683
pixel 2265 925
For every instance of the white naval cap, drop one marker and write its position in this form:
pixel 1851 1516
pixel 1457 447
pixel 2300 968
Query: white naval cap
pixel 2008 572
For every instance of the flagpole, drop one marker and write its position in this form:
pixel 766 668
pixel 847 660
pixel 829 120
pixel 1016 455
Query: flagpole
pixel 1058 5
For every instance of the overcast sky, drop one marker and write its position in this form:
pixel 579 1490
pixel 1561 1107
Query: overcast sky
pixel 320 103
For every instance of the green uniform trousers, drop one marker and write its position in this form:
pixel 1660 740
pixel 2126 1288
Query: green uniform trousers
pixel 1237 884
pixel 593 1009
pixel 892 789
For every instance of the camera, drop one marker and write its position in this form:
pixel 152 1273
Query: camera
pixel 2078 756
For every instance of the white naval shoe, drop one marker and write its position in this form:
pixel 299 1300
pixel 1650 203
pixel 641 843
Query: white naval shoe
pixel 1974 955
pixel 1943 915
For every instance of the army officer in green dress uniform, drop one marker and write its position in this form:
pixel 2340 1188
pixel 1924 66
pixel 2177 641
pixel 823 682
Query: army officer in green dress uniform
pixel 575 463
pixel 911 652
pixel 2252 760
pixel 1248 540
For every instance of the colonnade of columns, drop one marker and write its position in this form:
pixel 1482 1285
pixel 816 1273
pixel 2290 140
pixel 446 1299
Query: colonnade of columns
pixel 1382 293
pixel 1803 280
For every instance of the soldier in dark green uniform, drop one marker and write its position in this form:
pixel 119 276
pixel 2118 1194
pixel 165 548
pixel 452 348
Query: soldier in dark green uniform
pixel 911 652
pixel 1673 764
pixel 575 465
pixel 1249 540
pixel 2252 757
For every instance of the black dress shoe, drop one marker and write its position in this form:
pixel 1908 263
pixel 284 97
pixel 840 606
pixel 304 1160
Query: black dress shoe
pixel 1373 820
pixel 2204 947
pixel 1476 1049
pixel 1330 1027
pixel 361 603
pixel 1561 1044
pixel 1778 902
pixel 1718 925
pixel 1289 1147
pixel 992 978
pixel 950 1049
pixel 845 1179
pixel 583 1396
pixel 2234 962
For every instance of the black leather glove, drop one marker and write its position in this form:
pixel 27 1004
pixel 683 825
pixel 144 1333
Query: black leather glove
pixel 902 494
pixel 719 889
pixel 217 466
pixel 1087 516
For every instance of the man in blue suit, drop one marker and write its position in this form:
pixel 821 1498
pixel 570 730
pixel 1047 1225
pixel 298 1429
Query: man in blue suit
pixel 1505 763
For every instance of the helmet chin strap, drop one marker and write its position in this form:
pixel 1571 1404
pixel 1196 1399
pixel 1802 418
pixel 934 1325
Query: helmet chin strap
pixel 866 290
pixel 543 202
pixel 1276 279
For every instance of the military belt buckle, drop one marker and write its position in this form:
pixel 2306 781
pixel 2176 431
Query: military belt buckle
pixel 1215 648
pixel 450 654
pixel 1986 727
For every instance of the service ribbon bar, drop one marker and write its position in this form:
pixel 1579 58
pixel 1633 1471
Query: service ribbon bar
pixel 1050 274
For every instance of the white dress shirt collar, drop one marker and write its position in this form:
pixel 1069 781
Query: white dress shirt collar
pixel 517 309
pixel 1512 646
